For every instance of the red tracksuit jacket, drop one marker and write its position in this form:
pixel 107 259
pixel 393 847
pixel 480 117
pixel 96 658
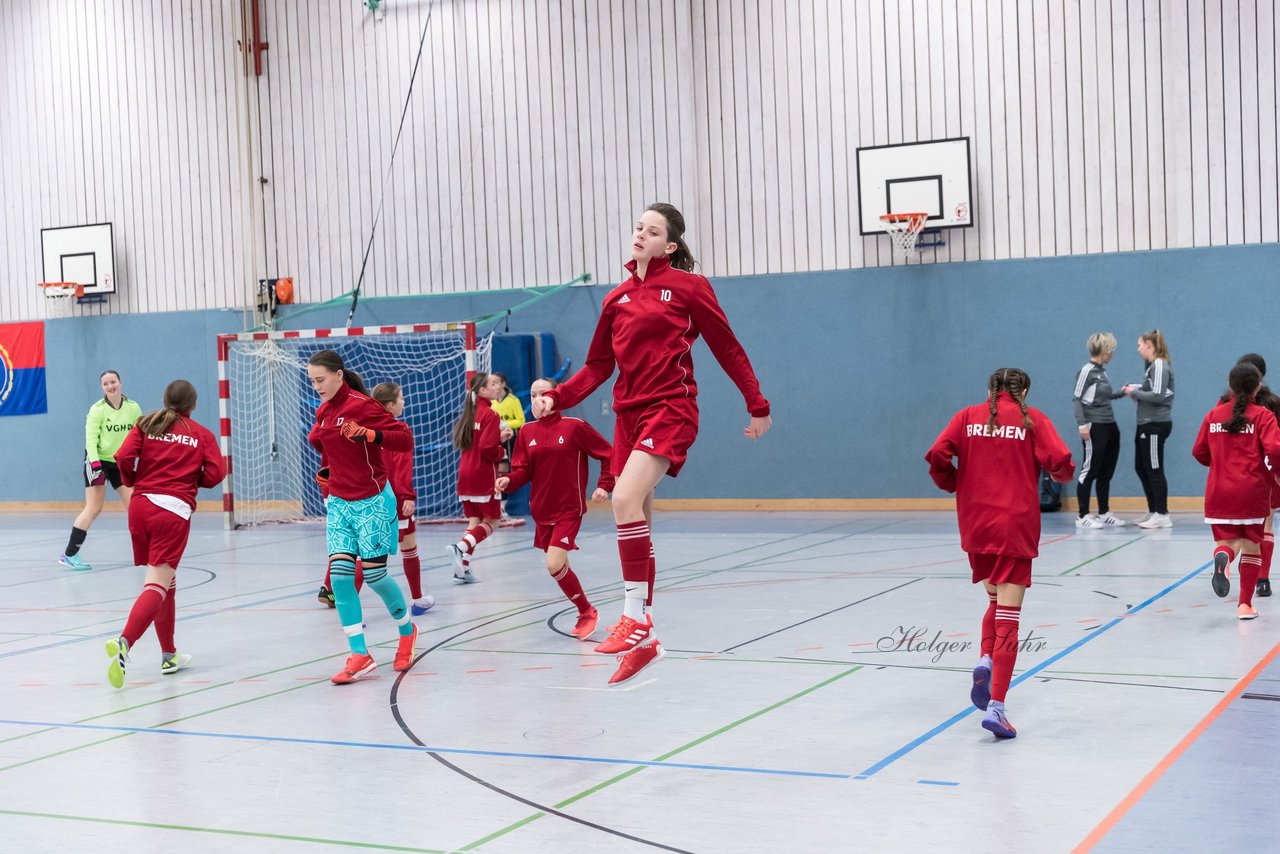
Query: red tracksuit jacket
pixel 399 466
pixel 552 453
pixel 478 467
pixel 996 484
pixel 647 328
pixel 1240 483
pixel 357 470
pixel 184 459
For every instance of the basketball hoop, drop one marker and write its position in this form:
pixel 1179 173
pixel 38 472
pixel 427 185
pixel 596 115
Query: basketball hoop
pixel 903 229
pixel 59 297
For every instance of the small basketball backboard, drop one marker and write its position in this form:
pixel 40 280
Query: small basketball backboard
pixel 83 254
pixel 931 177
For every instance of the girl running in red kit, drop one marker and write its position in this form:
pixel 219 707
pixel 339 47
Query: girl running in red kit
pixel 552 452
pixel 478 433
pixel 647 328
pixel 165 458
pixel 1235 440
pixel 400 470
pixel 1001 446
pixel 350 433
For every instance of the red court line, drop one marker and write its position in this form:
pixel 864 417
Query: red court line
pixel 600 664
pixel 482 671
pixel 1108 823
pixel 537 668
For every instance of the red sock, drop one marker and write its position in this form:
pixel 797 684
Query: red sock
pixel 143 614
pixel 989 626
pixel 653 572
pixel 1250 566
pixel 1005 653
pixel 1229 552
pixel 572 588
pixel 1268 548
pixel 166 619
pixel 413 571
pixel 633 552
pixel 328 582
pixel 474 537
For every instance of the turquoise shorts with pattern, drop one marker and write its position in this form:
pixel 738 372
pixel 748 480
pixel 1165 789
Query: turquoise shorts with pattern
pixel 364 528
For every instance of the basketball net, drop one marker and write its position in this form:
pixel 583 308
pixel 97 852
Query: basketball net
pixel 903 229
pixel 59 297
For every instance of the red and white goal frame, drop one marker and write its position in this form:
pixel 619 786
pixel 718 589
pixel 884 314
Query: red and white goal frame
pixel 468 328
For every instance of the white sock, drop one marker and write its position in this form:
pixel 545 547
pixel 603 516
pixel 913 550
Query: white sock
pixel 634 593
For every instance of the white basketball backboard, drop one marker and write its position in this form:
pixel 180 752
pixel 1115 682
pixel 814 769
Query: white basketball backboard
pixel 82 254
pixel 931 177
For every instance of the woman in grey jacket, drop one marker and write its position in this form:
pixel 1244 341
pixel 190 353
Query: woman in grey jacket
pixel 1098 432
pixel 1155 401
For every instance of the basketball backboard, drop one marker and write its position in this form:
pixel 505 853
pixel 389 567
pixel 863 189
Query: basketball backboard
pixel 83 254
pixel 931 177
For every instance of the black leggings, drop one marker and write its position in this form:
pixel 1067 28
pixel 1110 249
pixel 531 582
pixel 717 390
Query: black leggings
pixel 1101 451
pixel 1149 463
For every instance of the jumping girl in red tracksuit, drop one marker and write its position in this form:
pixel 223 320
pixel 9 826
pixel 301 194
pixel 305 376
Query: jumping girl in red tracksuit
pixel 165 458
pixel 479 434
pixel 1235 440
pixel 1001 446
pixel 552 452
pixel 400 471
pixel 646 329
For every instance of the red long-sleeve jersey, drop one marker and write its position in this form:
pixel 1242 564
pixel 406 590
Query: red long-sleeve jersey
pixel 178 463
pixel 1239 486
pixel 356 469
pixel 997 499
pixel 552 454
pixel 400 470
pixel 647 328
pixel 478 466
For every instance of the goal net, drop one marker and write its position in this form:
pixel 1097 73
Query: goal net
pixel 267 407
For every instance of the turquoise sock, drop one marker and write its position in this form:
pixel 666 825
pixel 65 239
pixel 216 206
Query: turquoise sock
pixel 343 574
pixel 389 592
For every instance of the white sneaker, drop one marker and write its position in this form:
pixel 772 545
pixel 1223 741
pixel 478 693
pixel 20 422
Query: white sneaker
pixel 465 578
pixel 174 663
pixel 1111 520
pixel 1157 520
pixel 457 555
pixel 1143 518
pixel 1090 521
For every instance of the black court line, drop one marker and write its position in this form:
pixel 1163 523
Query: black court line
pixel 549 810
pixel 1275 697
pixel 1132 684
pixel 820 616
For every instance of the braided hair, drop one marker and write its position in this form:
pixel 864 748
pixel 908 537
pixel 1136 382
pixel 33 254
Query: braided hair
pixel 1017 383
pixel 1244 381
pixel 1265 396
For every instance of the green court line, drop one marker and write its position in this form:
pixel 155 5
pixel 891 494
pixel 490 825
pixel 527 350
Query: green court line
pixel 1099 557
pixel 624 775
pixel 248 833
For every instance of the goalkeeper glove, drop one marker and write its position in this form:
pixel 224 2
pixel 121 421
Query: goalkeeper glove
pixel 353 431
pixel 94 474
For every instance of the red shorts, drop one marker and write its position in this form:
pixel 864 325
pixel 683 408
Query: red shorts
pixel 999 569
pixel 563 534
pixel 159 535
pixel 1252 533
pixel 491 509
pixel 665 429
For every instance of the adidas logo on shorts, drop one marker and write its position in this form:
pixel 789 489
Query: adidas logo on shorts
pixel 564 539
pixel 648 443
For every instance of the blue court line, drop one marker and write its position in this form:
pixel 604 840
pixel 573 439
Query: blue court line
pixel 937 783
pixel 111 634
pixel 426 749
pixel 955 719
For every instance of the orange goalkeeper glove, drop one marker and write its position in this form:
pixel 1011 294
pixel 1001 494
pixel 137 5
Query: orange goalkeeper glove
pixel 353 431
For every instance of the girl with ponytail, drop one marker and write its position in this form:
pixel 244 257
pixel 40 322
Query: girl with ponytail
pixel 166 458
pixel 1154 398
pixel 478 433
pixel 1236 438
pixel 1001 446
pixel 646 330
